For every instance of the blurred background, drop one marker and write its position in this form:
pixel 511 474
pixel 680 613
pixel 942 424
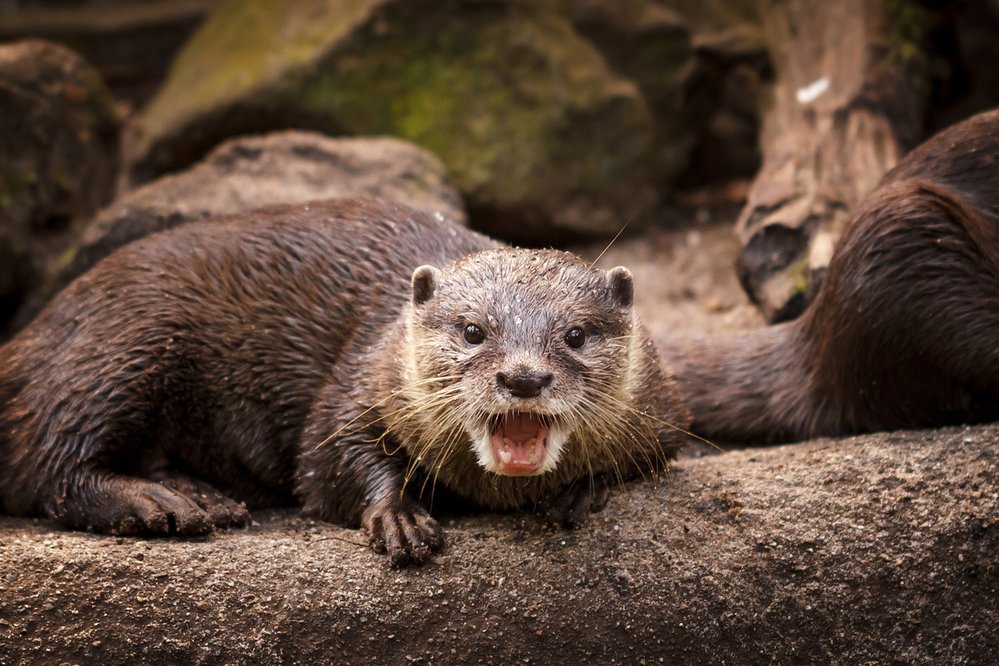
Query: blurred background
pixel 729 138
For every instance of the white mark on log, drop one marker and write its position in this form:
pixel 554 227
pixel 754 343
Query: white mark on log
pixel 811 92
pixel 822 250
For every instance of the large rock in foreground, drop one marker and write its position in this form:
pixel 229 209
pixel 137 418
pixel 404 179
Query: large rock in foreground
pixel 535 129
pixel 874 549
pixel 253 172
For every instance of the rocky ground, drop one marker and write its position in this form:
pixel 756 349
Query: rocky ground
pixel 883 548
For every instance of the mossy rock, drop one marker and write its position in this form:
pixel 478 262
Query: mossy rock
pixel 535 129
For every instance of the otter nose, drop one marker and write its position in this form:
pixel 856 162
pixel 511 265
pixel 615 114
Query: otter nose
pixel 524 384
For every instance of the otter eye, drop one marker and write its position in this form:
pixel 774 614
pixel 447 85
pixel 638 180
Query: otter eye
pixel 474 335
pixel 575 337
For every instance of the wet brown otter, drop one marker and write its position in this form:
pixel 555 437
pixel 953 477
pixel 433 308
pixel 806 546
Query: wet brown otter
pixel 294 353
pixel 903 332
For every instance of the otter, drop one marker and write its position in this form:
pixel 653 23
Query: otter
pixel 350 356
pixel 903 330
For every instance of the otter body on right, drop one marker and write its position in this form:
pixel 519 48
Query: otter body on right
pixel 904 331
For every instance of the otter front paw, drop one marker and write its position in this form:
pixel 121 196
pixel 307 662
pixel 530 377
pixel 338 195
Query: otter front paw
pixel 572 507
pixel 404 530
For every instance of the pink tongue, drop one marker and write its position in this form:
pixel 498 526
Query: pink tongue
pixel 519 444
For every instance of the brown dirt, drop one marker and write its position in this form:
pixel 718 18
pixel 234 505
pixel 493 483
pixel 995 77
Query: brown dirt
pixel 882 548
pixel 685 278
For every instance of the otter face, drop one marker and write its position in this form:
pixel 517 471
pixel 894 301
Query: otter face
pixel 518 350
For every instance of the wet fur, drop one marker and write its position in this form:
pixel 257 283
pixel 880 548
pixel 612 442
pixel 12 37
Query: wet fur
pixel 903 332
pixel 627 427
pixel 261 354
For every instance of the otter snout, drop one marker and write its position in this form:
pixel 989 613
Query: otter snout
pixel 524 383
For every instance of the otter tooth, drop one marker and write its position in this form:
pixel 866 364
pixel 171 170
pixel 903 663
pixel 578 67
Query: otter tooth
pixel 505 456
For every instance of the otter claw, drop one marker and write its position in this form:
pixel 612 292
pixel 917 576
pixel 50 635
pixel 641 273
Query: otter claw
pixel 406 533
pixel 572 507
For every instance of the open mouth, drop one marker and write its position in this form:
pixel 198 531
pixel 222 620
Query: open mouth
pixel 518 441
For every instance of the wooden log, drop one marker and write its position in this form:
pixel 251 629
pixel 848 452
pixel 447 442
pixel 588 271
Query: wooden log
pixel 848 101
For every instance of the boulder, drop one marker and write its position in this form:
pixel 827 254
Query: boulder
pixel 873 549
pixel 58 158
pixel 252 172
pixel 650 44
pixel 540 135
pixel 130 42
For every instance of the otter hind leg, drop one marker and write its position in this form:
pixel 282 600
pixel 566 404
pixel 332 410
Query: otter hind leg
pixel 126 505
pixel 224 511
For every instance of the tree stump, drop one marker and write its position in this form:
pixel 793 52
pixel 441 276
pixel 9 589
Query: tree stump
pixel 848 101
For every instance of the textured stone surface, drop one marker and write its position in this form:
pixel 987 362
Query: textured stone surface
pixel 538 132
pixel 867 550
pixel 258 171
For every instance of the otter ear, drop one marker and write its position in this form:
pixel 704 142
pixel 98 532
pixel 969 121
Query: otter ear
pixel 424 284
pixel 622 289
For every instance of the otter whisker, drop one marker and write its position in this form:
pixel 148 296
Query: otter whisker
pixel 379 403
pixel 608 246
pixel 672 426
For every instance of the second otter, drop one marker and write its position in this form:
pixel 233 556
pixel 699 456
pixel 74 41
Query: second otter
pixel 295 353
pixel 903 331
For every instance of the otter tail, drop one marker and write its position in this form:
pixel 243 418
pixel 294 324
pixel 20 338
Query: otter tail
pixel 747 387
pixel 901 332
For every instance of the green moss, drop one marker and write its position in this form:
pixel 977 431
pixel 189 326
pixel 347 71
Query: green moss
pixel 247 44
pixel 800 275
pixel 511 105
pixel 67 257
pixel 907 21
pixel 517 105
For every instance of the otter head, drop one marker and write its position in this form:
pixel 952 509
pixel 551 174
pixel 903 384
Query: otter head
pixel 518 350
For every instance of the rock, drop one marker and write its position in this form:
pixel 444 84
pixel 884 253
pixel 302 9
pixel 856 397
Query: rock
pixel 871 549
pixel 650 44
pixel 129 42
pixel 253 172
pixel 58 158
pixel 538 133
